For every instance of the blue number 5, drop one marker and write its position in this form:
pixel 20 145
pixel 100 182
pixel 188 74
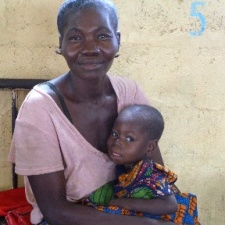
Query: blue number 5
pixel 199 16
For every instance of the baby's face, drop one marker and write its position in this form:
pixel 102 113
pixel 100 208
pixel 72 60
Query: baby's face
pixel 127 143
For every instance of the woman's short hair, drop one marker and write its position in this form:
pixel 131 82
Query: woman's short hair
pixel 75 5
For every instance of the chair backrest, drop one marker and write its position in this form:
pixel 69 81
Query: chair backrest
pixel 14 85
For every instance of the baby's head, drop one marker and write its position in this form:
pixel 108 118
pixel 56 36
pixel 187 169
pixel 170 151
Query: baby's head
pixel 135 134
pixel 148 118
pixel 73 6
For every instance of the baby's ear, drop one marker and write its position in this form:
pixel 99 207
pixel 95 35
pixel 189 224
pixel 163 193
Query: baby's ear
pixel 152 146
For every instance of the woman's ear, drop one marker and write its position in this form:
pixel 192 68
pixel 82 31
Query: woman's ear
pixel 118 42
pixel 152 146
pixel 60 41
pixel 59 51
pixel 118 37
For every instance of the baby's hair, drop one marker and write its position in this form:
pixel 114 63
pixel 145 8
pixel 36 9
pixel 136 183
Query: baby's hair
pixel 150 119
pixel 76 5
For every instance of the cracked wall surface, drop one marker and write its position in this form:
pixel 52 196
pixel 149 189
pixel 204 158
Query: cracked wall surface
pixel 182 75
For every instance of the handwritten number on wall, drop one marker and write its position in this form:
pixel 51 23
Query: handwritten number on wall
pixel 200 17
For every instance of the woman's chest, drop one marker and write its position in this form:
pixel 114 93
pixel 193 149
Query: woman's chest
pixel 95 123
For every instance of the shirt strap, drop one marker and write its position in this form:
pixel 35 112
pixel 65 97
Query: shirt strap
pixel 62 102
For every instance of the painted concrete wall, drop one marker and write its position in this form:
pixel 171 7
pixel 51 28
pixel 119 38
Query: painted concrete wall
pixel 182 74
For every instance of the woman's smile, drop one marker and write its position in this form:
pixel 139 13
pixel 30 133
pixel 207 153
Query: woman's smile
pixel 91 65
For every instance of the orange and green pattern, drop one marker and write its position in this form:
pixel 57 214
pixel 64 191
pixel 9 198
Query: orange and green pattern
pixel 146 180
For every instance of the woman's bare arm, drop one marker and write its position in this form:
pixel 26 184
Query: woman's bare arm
pixel 50 193
pixel 164 205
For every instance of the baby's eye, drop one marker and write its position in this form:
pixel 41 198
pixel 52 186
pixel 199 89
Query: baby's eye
pixel 114 134
pixel 129 138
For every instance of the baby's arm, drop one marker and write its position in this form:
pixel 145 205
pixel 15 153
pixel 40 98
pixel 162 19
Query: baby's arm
pixel 161 205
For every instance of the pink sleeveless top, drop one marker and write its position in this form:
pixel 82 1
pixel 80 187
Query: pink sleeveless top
pixel 45 141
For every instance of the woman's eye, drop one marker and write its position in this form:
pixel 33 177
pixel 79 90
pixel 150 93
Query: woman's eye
pixel 129 139
pixel 75 38
pixel 104 36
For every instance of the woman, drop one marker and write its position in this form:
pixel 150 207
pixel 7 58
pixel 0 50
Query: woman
pixel 59 141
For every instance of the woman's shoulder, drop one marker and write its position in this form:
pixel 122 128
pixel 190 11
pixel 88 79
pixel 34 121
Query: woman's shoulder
pixel 127 91
pixel 121 80
pixel 37 95
pixel 123 85
pixel 36 102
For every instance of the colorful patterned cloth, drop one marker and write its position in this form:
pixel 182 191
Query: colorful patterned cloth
pixel 146 180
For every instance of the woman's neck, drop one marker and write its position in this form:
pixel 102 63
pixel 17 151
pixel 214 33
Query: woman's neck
pixel 92 90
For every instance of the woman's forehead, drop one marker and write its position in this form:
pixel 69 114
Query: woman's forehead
pixel 88 12
pixel 91 16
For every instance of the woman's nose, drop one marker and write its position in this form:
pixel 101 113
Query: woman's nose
pixel 90 47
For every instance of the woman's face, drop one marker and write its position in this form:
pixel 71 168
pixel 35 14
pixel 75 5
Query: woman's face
pixel 89 43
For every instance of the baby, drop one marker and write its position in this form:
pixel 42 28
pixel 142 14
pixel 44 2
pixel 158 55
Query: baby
pixel 142 187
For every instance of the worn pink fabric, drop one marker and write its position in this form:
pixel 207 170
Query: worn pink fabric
pixel 45 141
